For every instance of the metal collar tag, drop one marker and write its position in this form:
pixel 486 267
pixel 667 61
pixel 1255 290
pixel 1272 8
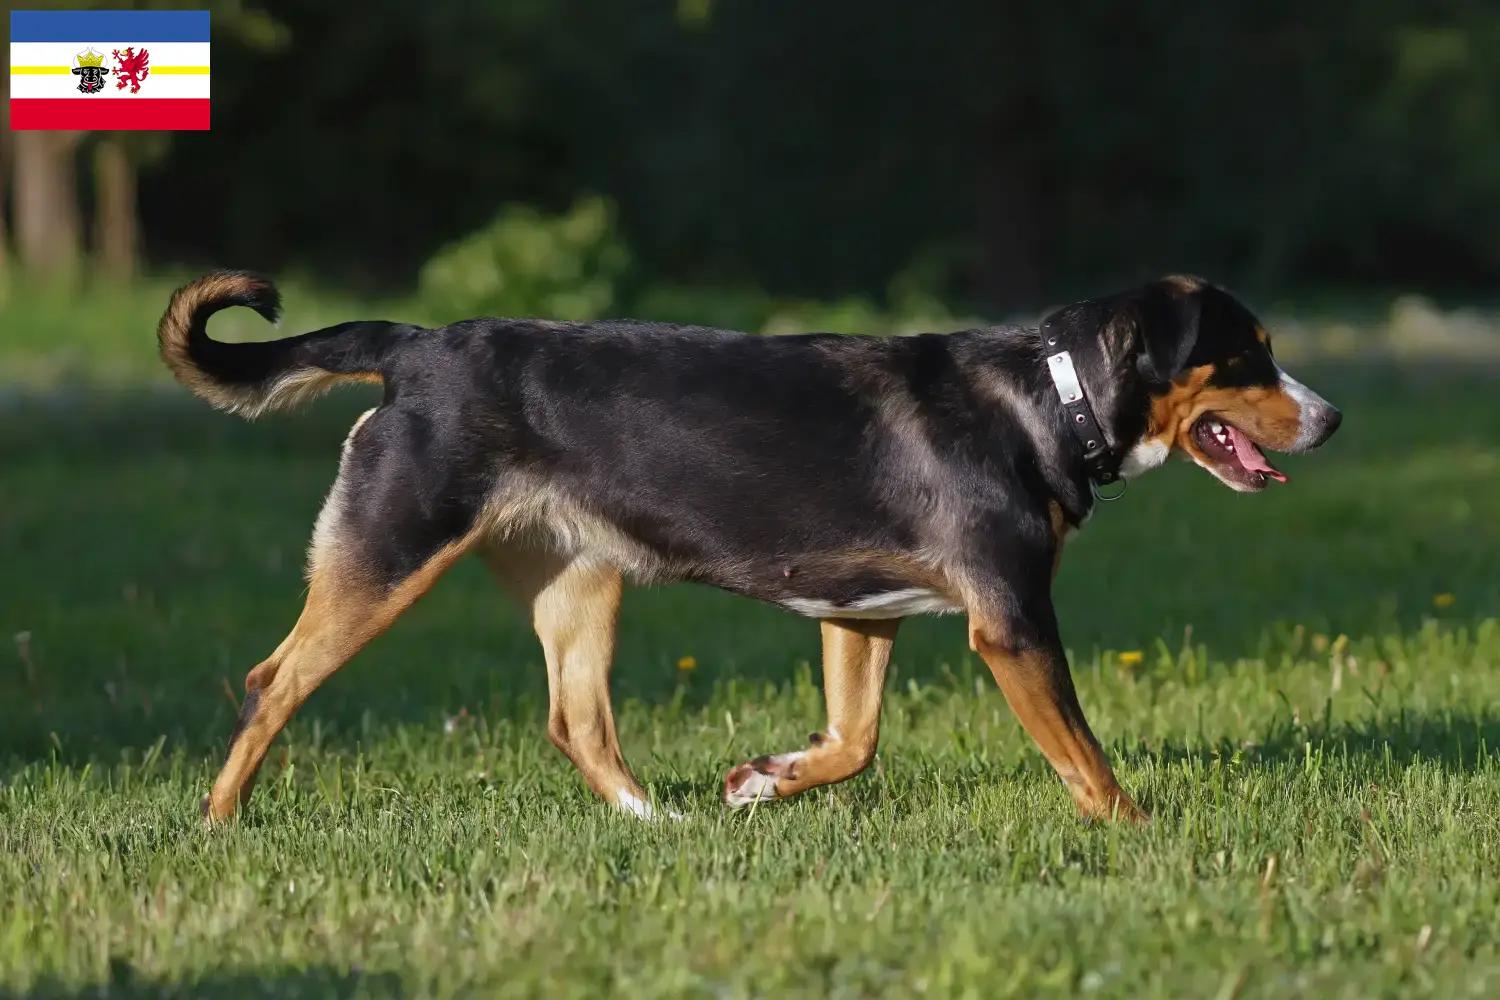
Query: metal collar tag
pixel 1097 459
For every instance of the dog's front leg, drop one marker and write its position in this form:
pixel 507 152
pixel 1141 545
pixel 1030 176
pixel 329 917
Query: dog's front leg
pixel 855 654
pixel 1013 627
pixel 1029 665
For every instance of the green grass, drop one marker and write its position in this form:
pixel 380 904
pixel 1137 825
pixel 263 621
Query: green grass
pixel 1316 740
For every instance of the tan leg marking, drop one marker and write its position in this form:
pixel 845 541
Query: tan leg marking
pixel 575 609
pixel 855 655
pixel 344 611
pixel 1039 689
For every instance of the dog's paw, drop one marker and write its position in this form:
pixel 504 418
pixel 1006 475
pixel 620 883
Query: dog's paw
pixel 1119 808
pixel 631 803
pixel 755 780
pixel 205 809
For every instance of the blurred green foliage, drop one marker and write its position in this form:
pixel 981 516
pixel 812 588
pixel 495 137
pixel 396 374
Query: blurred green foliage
pixel 526 263
pixel 576 266
pixel 813 151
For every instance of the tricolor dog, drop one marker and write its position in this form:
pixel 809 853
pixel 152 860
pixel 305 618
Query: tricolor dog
pixel 855 480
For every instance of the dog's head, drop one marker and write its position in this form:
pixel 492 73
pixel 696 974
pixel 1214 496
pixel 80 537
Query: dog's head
pixel 1181 365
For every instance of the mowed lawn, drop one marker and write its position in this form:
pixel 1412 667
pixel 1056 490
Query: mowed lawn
pixel 1308 702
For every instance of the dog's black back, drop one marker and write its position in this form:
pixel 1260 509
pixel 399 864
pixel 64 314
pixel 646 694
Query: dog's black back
pixel 817 467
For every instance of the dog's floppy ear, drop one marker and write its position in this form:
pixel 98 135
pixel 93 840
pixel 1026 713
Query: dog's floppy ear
pixel 1162 320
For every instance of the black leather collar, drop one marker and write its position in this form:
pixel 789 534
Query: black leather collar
pixel 1099 460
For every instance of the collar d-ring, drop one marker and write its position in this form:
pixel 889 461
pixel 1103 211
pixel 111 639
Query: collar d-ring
pixel 1094 487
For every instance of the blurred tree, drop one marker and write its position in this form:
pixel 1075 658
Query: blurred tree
pixel 45 195
pixel 117 158
pixel 1431 127
pixel 1022 153
pixel 46 205
pixel 379 136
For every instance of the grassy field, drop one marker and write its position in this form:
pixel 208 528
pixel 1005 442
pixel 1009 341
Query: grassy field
pixel 1301 686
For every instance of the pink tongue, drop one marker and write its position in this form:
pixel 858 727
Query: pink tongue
pixel 1250 456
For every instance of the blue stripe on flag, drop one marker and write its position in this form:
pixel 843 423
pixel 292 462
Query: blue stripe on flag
pixel 108 26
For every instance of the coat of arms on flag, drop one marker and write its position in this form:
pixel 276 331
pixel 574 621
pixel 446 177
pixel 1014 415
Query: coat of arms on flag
pixel 90 66
pixel 109 69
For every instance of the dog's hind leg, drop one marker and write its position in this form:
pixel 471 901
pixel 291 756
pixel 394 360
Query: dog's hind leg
pixel 575 609
pixel 855 655
pixel 377 548
pixel 345 609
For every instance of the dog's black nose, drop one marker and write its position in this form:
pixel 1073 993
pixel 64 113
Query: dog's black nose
pixel 1325 423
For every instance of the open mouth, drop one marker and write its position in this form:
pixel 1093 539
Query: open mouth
pixel 1232 456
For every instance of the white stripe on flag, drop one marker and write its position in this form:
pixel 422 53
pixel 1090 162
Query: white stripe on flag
pixel 22 85
pixel 62 53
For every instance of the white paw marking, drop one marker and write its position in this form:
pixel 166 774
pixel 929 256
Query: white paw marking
pixel 633 804
pixel 755 788
pixel 758 786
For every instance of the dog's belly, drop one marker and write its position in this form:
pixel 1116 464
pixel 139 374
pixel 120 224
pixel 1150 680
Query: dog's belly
pixel 852 577
pixel 843 584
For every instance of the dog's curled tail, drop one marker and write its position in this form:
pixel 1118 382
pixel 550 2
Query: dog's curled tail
pixel 254 378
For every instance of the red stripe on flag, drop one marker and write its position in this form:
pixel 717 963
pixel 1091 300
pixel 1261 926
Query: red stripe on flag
pixel 166 113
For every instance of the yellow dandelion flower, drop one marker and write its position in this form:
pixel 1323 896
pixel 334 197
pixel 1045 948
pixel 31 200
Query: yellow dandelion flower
pixel 1131 657
pixel 687 663
pixel 1442 600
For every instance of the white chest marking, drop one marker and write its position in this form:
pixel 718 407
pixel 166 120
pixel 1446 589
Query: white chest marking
pixel 1144 457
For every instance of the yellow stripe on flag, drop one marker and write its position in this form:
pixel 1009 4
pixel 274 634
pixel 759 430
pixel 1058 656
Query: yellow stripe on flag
pixel 155 70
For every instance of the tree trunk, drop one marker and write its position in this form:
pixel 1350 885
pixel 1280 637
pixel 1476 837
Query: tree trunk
pixel 46 205
pixel 115 224
pixel 4 239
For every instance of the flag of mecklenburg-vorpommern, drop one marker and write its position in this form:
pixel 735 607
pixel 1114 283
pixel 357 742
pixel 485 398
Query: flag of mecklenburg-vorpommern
pixel 109 69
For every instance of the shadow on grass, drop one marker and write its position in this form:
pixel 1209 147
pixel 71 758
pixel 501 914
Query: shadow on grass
pixel 1365 751
pixel 1374 749
pixel 125 983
